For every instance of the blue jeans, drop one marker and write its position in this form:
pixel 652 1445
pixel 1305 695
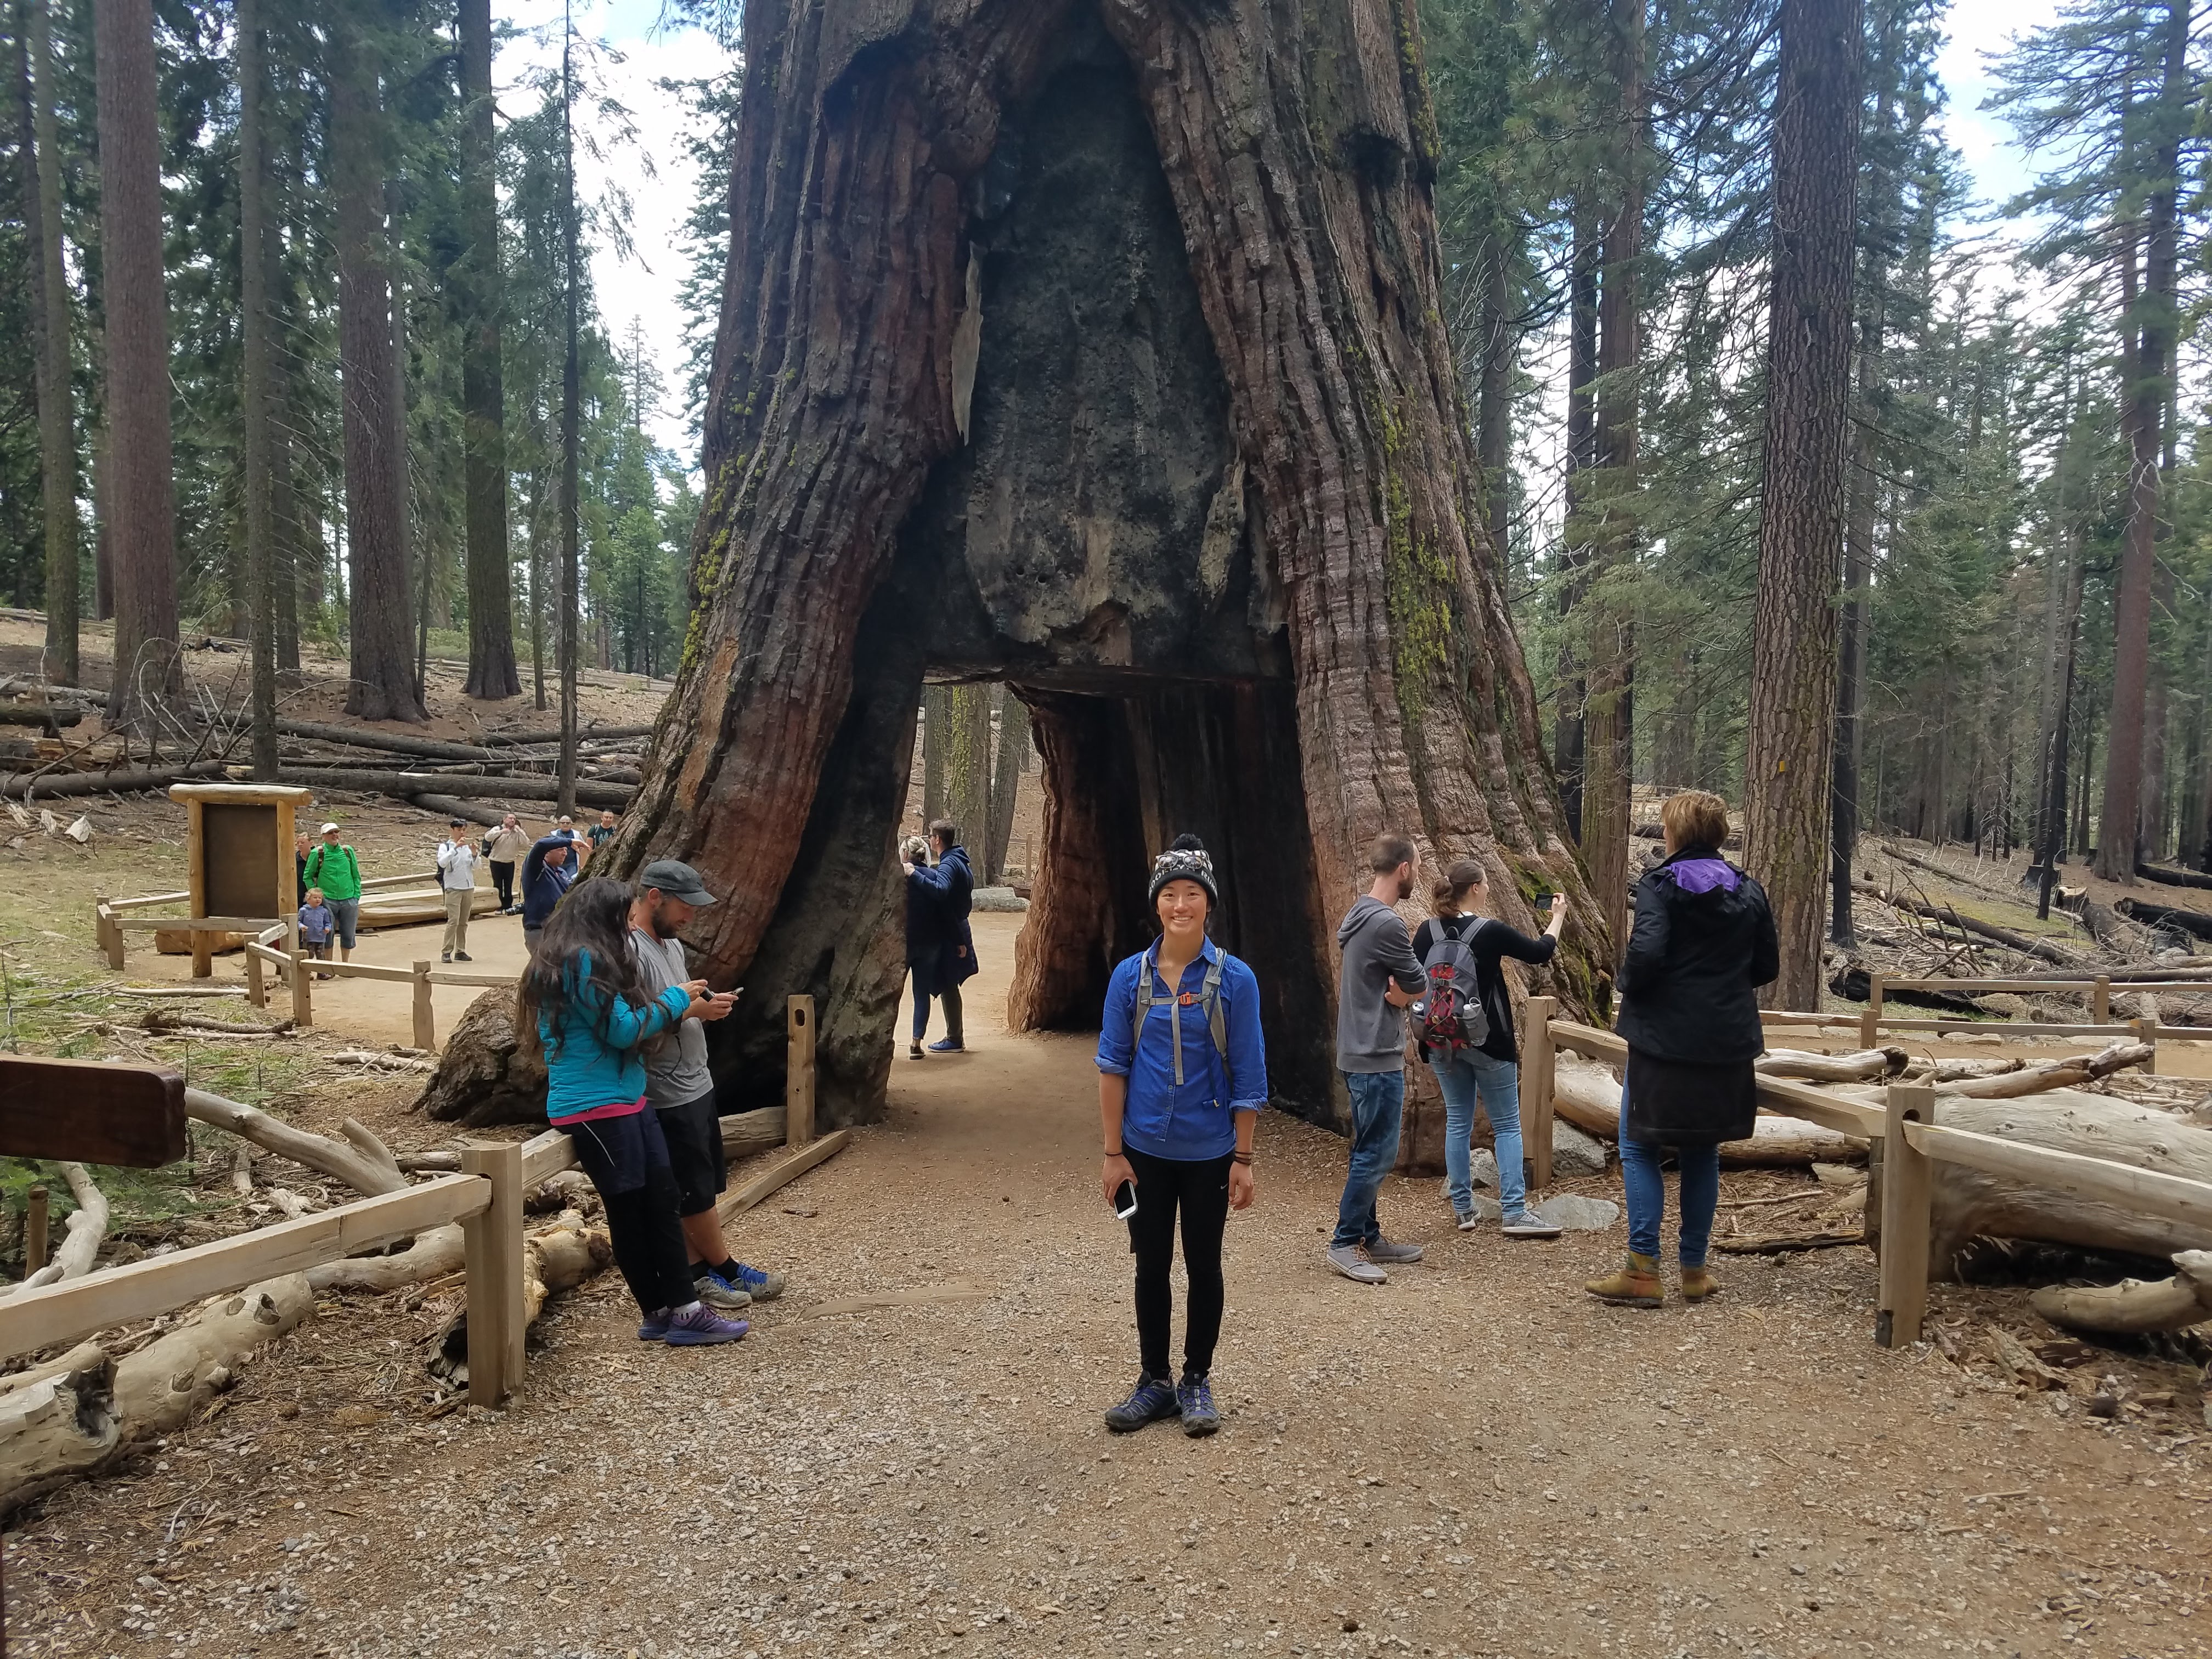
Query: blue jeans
pixel 1378 1111
pixel 1463 1076
pixel 1647 1197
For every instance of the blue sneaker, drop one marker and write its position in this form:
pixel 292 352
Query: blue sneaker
pixel 702 1327
pixel 758 1283
pixel 1195 1398
pixel 717 1291
pixel 1154 1398
pixel 655 1328
pixel 947 1046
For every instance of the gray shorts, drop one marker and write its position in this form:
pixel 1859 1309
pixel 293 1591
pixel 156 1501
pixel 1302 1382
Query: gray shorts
pixel 348 911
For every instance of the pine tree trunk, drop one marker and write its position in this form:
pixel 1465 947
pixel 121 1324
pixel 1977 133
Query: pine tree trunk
pixel 253 393
pixel 1801 531
pixel 1294 149
pixel 1571 738
pixel 936 724
pixel 571 441
pixel 2144 395
pixel 50 309
pixel 141 497
pixel 1494 405
pixel 1609 728
pixel 103 526
pixel 968 770
pixel 1013 742
pixel 378 612
pixel 492 669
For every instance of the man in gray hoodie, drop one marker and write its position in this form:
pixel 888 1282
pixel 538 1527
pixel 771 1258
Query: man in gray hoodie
pixel 1381 977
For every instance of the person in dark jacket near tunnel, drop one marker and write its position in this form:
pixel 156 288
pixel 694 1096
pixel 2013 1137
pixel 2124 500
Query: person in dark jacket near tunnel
pixel 947 890
pixel 1704 939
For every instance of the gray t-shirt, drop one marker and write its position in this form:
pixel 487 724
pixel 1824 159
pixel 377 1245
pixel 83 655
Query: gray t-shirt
pixel 675 1066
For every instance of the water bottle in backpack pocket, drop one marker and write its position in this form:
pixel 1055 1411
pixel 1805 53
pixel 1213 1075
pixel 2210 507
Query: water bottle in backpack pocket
pixel 1451 1016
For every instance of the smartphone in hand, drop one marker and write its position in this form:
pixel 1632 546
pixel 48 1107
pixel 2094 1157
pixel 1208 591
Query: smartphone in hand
pixel 1125 1200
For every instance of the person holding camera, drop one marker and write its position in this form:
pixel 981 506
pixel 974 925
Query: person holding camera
pixel 1181 1076
pixel 682 1089
pixel 1704 940
pixel 1464 1023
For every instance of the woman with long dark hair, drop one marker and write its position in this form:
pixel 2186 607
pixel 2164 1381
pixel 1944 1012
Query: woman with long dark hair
pixel 1182 1078
pixel 585 997
pixel 1704 940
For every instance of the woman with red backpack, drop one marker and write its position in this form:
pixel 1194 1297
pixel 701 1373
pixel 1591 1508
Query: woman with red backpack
pixel 1465 1028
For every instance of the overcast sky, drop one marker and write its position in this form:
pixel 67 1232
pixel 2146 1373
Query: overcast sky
pixel 660 182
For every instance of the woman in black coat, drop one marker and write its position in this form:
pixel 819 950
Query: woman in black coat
pixel 926 934
pixel 1703 939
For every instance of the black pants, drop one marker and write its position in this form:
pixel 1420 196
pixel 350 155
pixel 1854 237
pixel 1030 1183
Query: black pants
pixel 1200 1192
pixel 627 1159
pixel 502 878
pixel 954 1032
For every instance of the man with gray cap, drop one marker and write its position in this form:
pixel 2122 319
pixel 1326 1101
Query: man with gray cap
pixel 682 1089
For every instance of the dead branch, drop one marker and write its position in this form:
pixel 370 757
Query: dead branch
pixel 368 1176
pixel 1859 1067
pixel 2135 1306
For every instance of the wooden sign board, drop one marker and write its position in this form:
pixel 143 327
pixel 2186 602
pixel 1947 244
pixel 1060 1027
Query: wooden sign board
pixel 89 1111
pixel 238 853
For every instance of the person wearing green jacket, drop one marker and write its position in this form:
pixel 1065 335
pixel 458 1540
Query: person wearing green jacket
pixel 335 868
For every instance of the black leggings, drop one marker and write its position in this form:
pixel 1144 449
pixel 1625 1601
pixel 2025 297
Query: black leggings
pixel 627 1159
pixel 503 880
pixel 1200 1191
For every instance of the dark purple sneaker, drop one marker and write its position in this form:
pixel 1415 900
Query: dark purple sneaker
pixel 655 1327
pixel 700 1326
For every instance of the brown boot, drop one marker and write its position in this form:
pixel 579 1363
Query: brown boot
pixel 1636 1285
pixel 1698 1283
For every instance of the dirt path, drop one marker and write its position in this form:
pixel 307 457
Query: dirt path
pixel 906 1456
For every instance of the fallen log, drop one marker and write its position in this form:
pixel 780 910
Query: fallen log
pixel 1861 1067
pixel 453 806
pixel 70 1426
pixel 365 1174
pixel 49 721
pixel 1939 1071
pixel 406 784
pixel 50 786
pixel 2067 1073
pixel 2171 917
pixel 1587 1095
pixel 432 1255
pixel 586 734
pixel 86 1226
pixel 2134 1307
pixel 2043 950
pixel 555 1258
pixel 1855 983
pixel 393 743
pixel 2168 876
pixel 1782 1243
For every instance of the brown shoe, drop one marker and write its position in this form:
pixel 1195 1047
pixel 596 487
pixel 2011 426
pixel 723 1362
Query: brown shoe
pixel 1698 1283
pixel 1636 1285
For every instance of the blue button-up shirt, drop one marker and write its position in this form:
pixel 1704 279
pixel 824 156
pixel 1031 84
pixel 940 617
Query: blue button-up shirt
pixel 1194 1120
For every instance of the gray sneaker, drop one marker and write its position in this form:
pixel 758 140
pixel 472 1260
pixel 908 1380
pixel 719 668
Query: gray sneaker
pixel 1346 1260
pixel 1466 1220
pixel 1528 1224
pixel 1382 1249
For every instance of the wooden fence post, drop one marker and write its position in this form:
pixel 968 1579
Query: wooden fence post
pixel 799 1072
pixel 106 935
pixel 257 988
pixel 2100 1001
pixel 1870 1021
pixel 492 1250
pixel 34 1232
pixel 1539 1060
pixel 425 1018
pixel 303 995
pixel 2146 1031
pixel 1904 1219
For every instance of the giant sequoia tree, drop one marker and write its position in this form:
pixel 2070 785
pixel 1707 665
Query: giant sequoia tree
pixel 1098 347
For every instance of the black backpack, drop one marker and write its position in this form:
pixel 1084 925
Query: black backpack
pixel 1451 1016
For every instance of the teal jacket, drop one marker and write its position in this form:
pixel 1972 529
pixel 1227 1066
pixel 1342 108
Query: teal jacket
pixel 595 1056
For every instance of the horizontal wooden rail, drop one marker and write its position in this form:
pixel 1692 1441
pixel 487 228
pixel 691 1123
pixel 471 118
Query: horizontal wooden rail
pixel 493 976
pixel 2125 1186
pixel 365 970
pixel 148 901
pixel 190 924
pixel 427 878
pixel 1588 1039
pixel 116 1295
pixel 1780 1095
pixel 2111 1028
pixel 2048 987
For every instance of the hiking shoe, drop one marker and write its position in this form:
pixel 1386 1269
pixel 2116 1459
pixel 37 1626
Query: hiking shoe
pixel 1153 1400
pixel 1381 1250
pixel 1346 1260
pixel 758 1283
pixel 445 956
pixel 463 956
pixel 1466 1220
pixel 717 1291
pixel 655 1327
pixel 1698 1283
pixel 1195 1398
pixel 947 1046
pixel 701 1328
pixel 1528 1224
pixel 1635 1284
pixel 914 1049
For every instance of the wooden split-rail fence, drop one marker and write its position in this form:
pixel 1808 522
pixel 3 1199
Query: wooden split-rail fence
pixel 1909 1129
pixel 486 1198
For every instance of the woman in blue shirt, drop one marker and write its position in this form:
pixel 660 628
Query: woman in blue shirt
pixel 1181 1076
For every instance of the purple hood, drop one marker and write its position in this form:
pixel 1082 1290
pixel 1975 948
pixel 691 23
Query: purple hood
pixel 1704 875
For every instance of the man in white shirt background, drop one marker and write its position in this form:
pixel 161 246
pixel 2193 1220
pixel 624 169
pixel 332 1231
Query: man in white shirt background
pixel 457 875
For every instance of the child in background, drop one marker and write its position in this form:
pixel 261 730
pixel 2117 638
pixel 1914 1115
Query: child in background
pixel 316 924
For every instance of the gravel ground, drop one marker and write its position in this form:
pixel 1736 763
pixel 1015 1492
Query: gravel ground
pixel 906 1455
